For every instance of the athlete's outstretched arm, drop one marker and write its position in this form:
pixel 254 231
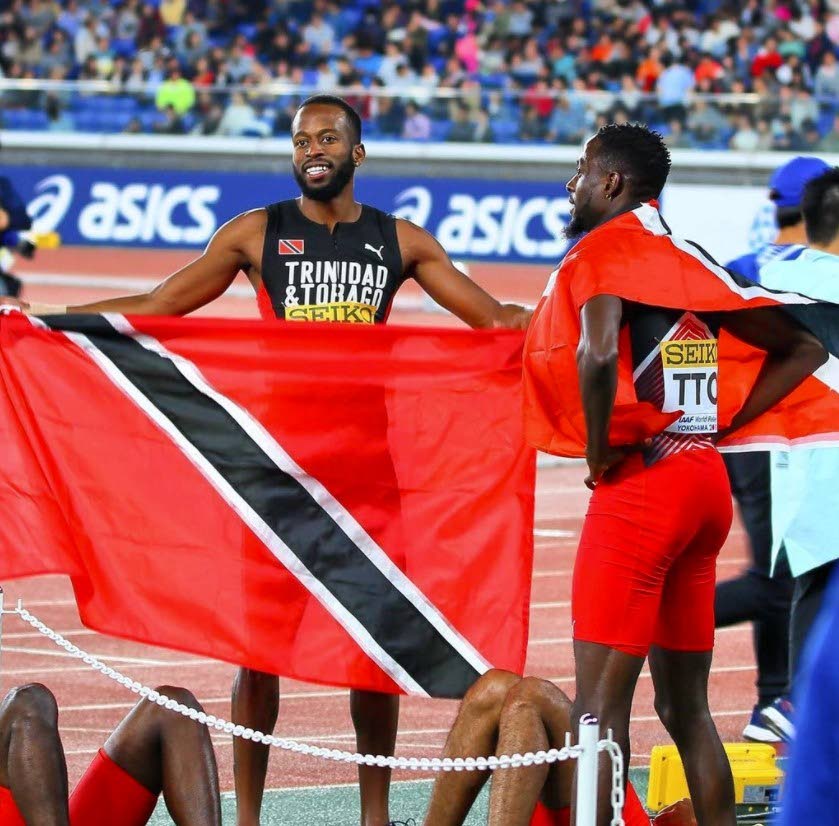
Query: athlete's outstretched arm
pixel 425 260
pixel 198 283
pixel 793 353
pixel 597 371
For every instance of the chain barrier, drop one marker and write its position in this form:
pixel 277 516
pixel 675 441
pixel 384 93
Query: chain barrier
pixel 617 797
pixel 434 764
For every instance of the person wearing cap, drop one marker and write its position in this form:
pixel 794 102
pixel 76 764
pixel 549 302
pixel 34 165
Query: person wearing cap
pixel 805 481
pixel 761 594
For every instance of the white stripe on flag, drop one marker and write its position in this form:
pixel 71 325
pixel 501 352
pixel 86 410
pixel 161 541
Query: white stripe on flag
pixel 322 496
pixel 273 542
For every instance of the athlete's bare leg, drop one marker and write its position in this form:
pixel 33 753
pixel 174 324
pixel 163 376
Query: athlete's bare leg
pixel 681 702
pixel 375 717
pixel 256 701
pixel 32 761
pixel 536 715
pixel 474 734
pixel 606 681
pixel 169 753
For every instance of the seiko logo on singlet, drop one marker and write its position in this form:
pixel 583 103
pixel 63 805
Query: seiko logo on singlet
pixel 334 291
pixel 690 384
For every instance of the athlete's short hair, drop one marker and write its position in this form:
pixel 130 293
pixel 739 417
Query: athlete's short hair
pixel 637 152
pixel 333 100
pixel 820 207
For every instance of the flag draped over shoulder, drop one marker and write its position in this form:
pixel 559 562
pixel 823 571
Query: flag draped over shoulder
pixel 339 505
pixel 635 257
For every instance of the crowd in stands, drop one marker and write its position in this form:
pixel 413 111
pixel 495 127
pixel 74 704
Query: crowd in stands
pixel 747 75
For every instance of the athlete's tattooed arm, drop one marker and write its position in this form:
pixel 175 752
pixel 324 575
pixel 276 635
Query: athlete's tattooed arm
pixel 425 260
pixel 792 354
pixel 235 246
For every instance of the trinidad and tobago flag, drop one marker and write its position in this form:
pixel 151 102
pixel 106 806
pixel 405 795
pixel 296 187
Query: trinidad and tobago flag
pixel 291 246
pixel 343 506
pixel 635 257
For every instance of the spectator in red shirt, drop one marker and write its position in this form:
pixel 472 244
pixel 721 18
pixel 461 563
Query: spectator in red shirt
pixel 767 58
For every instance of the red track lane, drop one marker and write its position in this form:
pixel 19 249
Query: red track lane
pixel 91 705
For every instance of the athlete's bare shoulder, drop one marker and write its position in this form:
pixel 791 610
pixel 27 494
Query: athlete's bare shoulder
pixel 242 236
pixel 416 244
pixel 246 223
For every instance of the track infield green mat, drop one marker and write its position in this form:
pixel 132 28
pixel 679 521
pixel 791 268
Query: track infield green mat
pixel 338 805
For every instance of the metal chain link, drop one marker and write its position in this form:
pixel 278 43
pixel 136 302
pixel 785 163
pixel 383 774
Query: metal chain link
pixel 411 763
pixel 613 749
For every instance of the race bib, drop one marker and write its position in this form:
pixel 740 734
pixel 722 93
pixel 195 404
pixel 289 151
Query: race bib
pixel 689 368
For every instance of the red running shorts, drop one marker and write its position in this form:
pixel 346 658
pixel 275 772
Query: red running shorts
pixel 645 570
pixel 105 794
pixel 633 813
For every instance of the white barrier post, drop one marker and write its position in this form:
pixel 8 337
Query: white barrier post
pixel 587 761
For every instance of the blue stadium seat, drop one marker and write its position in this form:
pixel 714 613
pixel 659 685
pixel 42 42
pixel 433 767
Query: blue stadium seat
pixel 440 129
pixel 505 130
pixel 347 20
pixel 28 119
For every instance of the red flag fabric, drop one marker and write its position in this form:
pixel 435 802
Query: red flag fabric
pixel 342 505
pixel 635 257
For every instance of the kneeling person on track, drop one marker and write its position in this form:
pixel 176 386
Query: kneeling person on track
pixel 152 751
pixel 506 714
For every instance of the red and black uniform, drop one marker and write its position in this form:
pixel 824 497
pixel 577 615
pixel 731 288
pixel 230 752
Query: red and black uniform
pixel 105 794
pixel 311 274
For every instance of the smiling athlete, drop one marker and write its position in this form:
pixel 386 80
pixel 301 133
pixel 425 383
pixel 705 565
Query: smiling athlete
pixel 319 257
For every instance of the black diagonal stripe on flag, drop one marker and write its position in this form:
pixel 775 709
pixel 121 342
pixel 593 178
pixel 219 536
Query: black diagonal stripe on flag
pixel 282 502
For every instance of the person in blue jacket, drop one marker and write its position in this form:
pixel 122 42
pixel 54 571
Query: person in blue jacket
pixel 811 794
pixel 757 595
pixel 13 220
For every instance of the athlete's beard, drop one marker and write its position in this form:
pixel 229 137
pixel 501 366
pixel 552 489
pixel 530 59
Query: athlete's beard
pixel 341 176
pixel 575 227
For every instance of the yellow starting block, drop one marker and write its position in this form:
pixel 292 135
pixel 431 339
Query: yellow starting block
pixel 757 778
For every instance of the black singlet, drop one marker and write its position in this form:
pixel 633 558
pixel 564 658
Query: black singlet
pixel 350 274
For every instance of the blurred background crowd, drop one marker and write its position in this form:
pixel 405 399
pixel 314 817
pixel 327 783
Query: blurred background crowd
pixel 709 74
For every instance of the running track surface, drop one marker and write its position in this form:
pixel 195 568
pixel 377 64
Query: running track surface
pixel 91 705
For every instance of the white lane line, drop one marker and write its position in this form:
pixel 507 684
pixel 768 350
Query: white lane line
pixel 27 635
pixel 565 603
pixel 298 695
pixel 742 628
pixel 114 658
pixel 86 730
pixel 26 672
pixel 554 533
pixel 39 603
pixel 723 669
pixel 343 736
pixel 71 280
pixel 723 563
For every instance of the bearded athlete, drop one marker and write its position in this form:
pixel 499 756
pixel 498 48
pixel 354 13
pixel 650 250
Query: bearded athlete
pixel 320 257
pixel 623 349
